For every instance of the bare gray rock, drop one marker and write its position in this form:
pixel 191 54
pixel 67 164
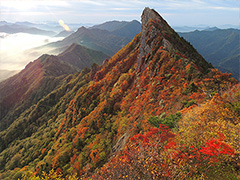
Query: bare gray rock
pixel 146 46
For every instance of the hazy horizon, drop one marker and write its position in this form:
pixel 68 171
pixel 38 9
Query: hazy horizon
pixel 91 24
pixel 176 12
pixel 12 56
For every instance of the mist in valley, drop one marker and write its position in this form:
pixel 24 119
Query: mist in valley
pixel 15 49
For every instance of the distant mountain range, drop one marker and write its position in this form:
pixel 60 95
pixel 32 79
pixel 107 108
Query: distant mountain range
pixel 107 41
pixel 47 26
pixel 203 27
pixel 189 28
pixel 120 28
pixel 111 26
pixel 218 46
pixel 15 28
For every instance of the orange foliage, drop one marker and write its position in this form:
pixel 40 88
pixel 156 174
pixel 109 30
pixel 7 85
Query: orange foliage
pixel 43 150
pixel 157 155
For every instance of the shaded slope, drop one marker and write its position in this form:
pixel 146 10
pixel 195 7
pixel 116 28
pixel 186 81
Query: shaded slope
pixel 93 113
pixel 96 39
pixel 219 47
pixel 64 33
pixel 82 57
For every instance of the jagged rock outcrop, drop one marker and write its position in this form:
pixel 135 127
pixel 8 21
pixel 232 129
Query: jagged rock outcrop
pixel 149 15
pixel 156 31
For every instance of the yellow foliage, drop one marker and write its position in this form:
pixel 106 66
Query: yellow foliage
pixel 206 121
pixel 52 175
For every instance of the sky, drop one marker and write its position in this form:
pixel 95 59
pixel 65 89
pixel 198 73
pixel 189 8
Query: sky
pixel 175 12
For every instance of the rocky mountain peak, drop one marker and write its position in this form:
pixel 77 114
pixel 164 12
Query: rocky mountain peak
pixel 153 25
pixel 150 14
pixel 156 33
pixel 151 21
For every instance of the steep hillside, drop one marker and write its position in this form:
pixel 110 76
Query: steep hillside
pixel 219 47
pixel 29 86
pixel 85 125
pixel 41 77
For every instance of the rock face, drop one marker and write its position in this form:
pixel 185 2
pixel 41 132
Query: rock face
pixel 148 16
pixel 155 30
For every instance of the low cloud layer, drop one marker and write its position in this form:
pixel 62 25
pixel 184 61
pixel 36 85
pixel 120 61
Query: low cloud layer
pixel 13 46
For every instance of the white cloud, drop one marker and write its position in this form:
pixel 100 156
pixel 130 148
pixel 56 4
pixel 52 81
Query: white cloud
pixel 224 8
pixel 118 8
pixel 12 47
pixel 26 5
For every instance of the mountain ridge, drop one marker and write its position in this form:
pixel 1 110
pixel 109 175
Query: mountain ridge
pixel 163 28
pixel 19 90
pixel 64 33
pixel 121 28
pixel 82 57
pixel 85 125
pixel 93 38
pixel 30 85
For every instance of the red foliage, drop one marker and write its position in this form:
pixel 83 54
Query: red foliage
pixel 157 155
pixel 59 171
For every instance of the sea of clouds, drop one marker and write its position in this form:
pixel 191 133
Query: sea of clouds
pixel 13 49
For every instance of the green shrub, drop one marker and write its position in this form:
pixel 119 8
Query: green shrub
pixel 170 120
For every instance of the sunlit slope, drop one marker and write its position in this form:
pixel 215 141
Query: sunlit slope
pixel 93 113
pixel 40 77
pixel 29 86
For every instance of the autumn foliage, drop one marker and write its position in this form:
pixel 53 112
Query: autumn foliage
pixel 118 101
pixel 159 155
pixel 162 114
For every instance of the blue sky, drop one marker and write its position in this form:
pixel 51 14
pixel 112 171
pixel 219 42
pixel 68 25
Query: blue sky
pixel 176 12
